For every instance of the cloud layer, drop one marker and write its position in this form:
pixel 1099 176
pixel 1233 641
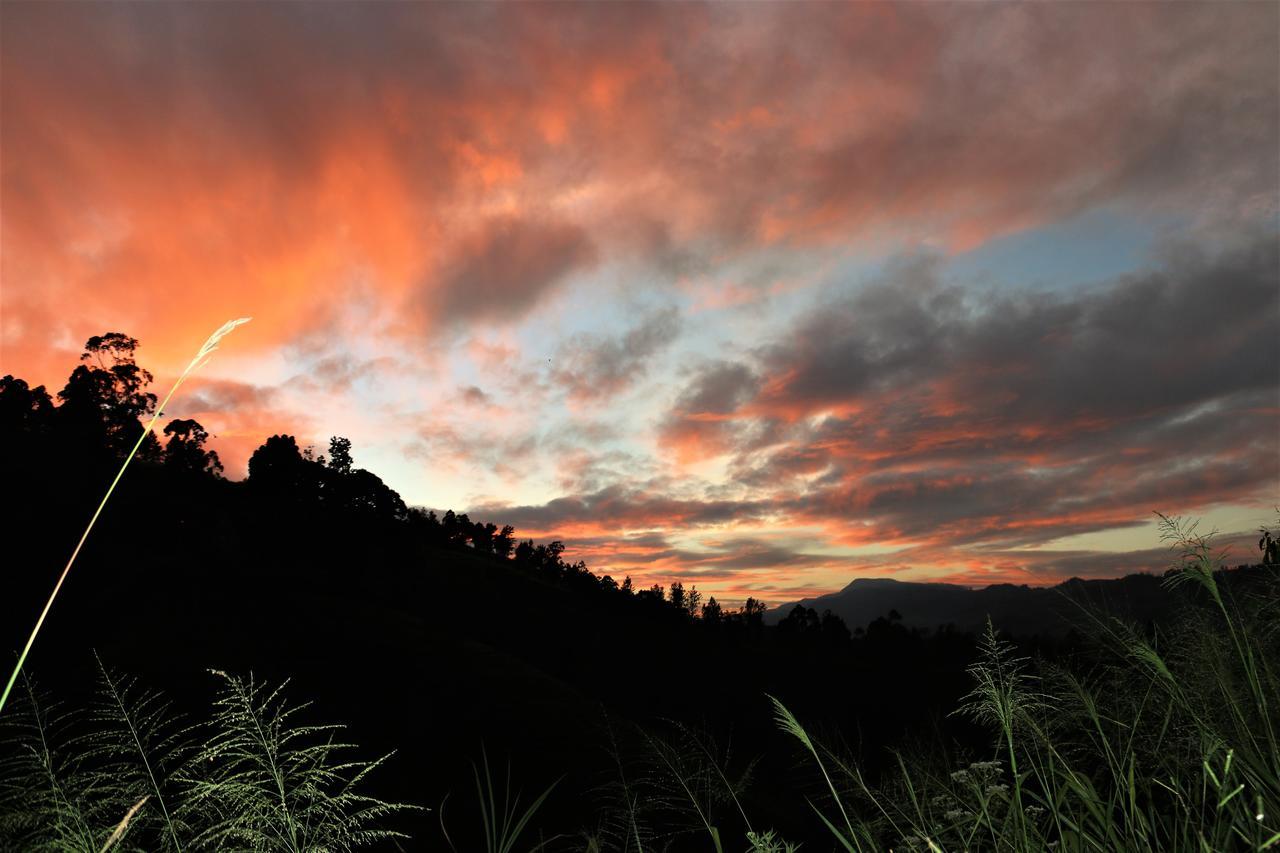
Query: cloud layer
pixel 684 271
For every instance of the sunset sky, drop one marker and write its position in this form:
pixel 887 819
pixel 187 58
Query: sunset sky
pixel 759 297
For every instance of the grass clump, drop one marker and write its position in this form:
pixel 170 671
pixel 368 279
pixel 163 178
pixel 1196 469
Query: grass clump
pixel 1166 742
pixel 127 773
pixel 501 818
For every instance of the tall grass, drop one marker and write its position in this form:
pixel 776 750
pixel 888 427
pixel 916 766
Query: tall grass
pixel 201 358
pixel 1156 740
pixel 1166 743
pixel 503 825
pixel 127 772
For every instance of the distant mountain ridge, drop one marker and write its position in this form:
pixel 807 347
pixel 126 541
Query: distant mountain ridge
pixel 1019 610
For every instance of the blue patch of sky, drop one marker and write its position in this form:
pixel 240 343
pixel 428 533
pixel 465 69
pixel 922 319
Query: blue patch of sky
pixel 1093 246
pixel 600 304
pixel 783 281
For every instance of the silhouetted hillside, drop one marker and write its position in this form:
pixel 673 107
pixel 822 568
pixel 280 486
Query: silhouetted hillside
pixel 1020 610
pixel 430 636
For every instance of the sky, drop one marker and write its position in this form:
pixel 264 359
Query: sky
pixel 758 297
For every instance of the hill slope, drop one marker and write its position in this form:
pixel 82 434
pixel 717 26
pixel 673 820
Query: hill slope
pixel 1019 610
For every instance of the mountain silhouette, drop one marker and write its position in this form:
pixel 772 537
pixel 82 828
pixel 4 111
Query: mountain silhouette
pixel 1017 609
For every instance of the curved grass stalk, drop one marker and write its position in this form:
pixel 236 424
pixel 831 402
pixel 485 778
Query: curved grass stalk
pixel 788 723
pixel 133 715
pixel 205 353
pixel 503 824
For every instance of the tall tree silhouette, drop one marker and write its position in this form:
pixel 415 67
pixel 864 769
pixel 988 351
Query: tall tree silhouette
pixel 450 525
pixel 340 455
pixel 833 628
pixel 25 416
pixel 711 612
pixel 504 541
pixel 677 595
pixel 363 493
pixel 185 450
pixel 105 397
pixel 801 620
pixel 278 465
pixel 692 601
pixel 482 536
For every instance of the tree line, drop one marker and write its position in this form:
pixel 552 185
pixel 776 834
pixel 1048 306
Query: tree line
pixel 98 416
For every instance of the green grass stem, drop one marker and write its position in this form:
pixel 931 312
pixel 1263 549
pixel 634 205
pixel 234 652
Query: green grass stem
pixel 202 356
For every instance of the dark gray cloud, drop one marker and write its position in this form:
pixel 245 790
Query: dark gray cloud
pixel 474 395
pixel 718 388
pixel 746 554
pixel 595 368
pixel 506 267
pixel 624 507
pixel 1023 416
pixel 225 395
pixel 1149 342
pixel 474 448
pixel 582 470
pixel 338 372
pixel 702 422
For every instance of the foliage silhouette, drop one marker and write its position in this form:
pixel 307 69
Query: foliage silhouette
pixel 444 631
pixel 251 777
pixel 105 397
pixel 120 385
pixel 185 449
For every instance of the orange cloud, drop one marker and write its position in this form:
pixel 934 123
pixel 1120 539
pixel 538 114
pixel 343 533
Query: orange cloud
pixel 167 169
pixel 366 178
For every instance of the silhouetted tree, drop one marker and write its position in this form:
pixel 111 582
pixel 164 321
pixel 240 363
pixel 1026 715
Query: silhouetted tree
pixel 627 586
pixel 482 537
pixel 23 410
pixel 677 595
pixel 692 601
pixel 453 534
pixel 656 594
pixel 711 613
pixel 504 541
pixel 888 630
pixel 833 628
pixel 278 464
pixel 753 612
pixel 424 521
pixel 185 450
pixel 801 620
pixel 340 454
pixel 363 492
pixel 546 558
pixel 104 397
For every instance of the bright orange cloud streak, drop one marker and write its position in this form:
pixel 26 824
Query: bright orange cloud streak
pixel 164 167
